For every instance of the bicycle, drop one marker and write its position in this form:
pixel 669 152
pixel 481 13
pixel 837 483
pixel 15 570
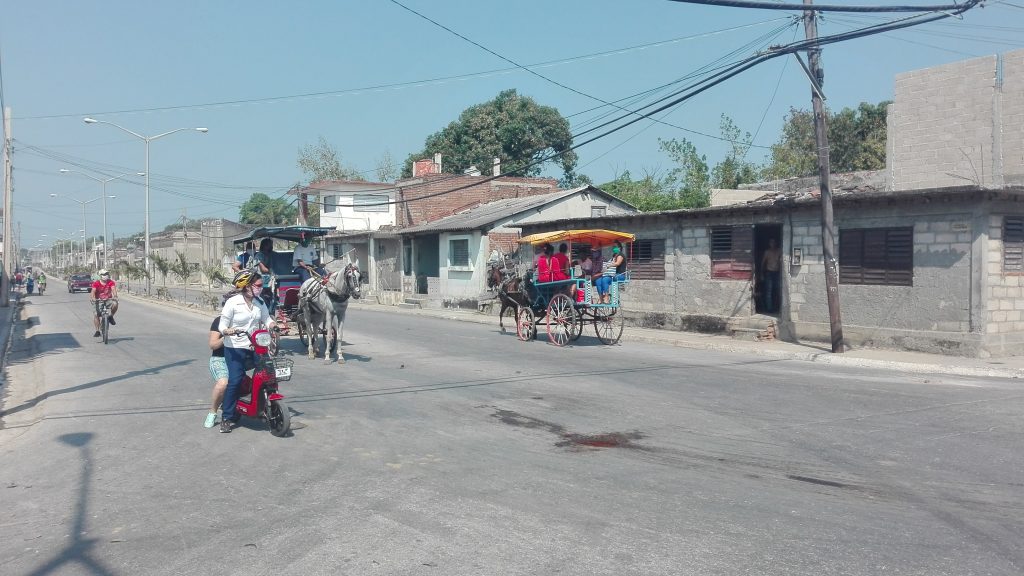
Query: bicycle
pixel 103 307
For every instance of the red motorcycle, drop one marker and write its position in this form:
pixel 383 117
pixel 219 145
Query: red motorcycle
pixel 258 395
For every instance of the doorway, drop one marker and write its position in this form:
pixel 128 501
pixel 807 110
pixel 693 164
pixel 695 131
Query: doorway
pixel 768 271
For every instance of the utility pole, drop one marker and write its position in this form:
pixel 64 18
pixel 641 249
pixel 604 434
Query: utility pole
pixel 821 140
pixel 5 280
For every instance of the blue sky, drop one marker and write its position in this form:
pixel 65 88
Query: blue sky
pixel 119 61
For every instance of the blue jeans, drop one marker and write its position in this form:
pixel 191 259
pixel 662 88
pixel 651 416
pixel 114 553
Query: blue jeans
pixel 771 287
pixel 604 283
pixel 236 359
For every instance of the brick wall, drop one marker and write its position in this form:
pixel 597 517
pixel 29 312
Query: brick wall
pixel 958 124
pixel 506 242
pixel 479 191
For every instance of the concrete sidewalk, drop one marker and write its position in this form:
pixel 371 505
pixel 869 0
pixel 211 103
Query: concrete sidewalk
pixel 897 360
pixel 7 318
pixel 1009 367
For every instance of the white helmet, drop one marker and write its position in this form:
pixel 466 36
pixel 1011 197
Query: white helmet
pixel 104 272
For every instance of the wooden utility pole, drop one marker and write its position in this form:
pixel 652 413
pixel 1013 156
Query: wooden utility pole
pixel 828 235
pixel 8 271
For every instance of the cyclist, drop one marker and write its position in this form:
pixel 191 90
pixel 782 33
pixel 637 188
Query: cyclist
pixel 243 312
pixel 103 289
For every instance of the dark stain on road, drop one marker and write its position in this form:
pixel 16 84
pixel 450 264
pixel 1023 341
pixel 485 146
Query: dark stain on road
pixel 818 481
pixel 568 439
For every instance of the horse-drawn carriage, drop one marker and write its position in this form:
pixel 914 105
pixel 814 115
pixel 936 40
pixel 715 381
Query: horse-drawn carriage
pixel 565 305
pixel 324 291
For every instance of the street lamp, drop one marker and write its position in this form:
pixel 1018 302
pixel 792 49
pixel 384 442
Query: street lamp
pixel 147 140
pixel 83 203
pixel 103 183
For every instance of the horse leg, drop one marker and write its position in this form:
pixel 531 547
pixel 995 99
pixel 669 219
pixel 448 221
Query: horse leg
pixel 307 319
pixel 328 336
pixel 338 332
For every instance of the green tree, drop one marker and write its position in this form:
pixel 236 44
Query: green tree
pixel 648 193
pixel 182 269
pixel 734 169
pixel 321 162
pixel 511 127
pixel 261 210
pixel 856 142
pixel 688 182
pixel 163 265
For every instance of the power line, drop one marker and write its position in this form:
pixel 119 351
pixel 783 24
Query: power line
pixel 823 7
pixel 399 85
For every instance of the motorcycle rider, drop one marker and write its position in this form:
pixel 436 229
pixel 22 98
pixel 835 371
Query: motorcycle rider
pixel 243 312
pixel 103 289
pixel 42 281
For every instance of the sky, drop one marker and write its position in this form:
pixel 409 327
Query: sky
pixel 373 78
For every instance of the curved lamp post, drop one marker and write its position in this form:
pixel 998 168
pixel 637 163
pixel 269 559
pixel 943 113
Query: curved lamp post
pixel 147 140
pixel 103 184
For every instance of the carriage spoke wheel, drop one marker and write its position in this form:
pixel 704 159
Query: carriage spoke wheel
pixel 526 324
pixel 608 324
pixel 561 320
pixel 577 327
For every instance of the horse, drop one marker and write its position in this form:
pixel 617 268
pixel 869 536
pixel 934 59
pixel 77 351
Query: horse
pixel 323 302
pixel 513 292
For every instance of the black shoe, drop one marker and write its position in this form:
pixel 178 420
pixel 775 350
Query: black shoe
pixel 96 334
pixel 226 426
pixel 112 321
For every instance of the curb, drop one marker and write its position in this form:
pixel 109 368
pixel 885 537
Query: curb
pixel 647 338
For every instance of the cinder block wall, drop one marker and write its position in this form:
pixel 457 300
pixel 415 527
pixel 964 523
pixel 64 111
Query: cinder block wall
pixel 958 124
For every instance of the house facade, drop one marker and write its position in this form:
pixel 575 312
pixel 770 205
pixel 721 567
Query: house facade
pixel 446 259
pixel 936 270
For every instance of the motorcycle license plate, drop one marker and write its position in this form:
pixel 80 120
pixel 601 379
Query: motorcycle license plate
pixel 285 372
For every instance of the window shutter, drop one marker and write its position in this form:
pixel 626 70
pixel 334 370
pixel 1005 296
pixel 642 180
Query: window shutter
pixel 879 256
pixel 732 252
pixel 1013 244
pixel 647 262
pixel 851 246
pixel 458 252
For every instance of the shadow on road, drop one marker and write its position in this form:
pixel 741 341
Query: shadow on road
pixel 127 375
pixel 79 550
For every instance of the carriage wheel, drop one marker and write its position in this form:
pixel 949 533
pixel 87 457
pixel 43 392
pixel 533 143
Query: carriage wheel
pixel 561 320
pixel 526 327
pixel 577 328
pixel 302 334
pixel 608 324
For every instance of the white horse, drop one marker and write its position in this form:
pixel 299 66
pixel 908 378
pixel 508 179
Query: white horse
pixel 323 303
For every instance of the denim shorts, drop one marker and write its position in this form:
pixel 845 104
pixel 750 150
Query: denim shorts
pixel 218 368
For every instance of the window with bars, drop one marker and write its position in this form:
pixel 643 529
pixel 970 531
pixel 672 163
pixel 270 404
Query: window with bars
pixel 1013 244
pixel 370 203
pixel 877 256
pixel 458 252
pixel 647 261
pixel 732 252
pixel 335 250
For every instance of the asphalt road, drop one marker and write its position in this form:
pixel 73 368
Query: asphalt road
pixel 442 447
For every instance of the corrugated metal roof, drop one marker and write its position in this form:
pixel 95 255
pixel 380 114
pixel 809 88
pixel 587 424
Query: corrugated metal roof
pixel 485 214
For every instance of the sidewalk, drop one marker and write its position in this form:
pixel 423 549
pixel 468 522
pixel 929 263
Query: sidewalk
pixel 896 360
pixel 7 318
pixel 902 361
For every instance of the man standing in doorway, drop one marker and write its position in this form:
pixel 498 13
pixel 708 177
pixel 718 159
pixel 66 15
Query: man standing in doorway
pixel 771 266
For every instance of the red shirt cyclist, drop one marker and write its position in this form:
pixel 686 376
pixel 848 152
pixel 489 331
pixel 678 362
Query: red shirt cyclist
pixel 103 289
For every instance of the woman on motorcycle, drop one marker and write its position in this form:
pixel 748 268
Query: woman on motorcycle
pixel 242 313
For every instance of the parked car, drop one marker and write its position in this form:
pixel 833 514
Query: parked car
pixel 79 282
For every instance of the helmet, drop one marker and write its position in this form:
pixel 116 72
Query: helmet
pixel 243 278
pixel 104 272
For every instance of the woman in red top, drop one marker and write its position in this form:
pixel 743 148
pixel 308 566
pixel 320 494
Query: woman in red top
pixel 545 264
pixel 560 269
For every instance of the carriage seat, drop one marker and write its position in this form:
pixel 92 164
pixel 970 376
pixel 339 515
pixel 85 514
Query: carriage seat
pixel 291 298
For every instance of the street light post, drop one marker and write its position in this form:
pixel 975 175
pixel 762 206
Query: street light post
pixel 84 235
pixel 147 140
pixel 103 184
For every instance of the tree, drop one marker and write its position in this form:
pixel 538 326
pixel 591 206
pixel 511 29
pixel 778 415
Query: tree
pixel 734 169
pixel 261 210
pixel 688 182
pixel 386 171
pixel 162 264
pixel 511 127
pixel 182 269
pixel 856 142
pixel 648 193
pixel 322 162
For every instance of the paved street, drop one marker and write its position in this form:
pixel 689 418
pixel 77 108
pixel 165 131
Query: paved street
pixel 445 447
